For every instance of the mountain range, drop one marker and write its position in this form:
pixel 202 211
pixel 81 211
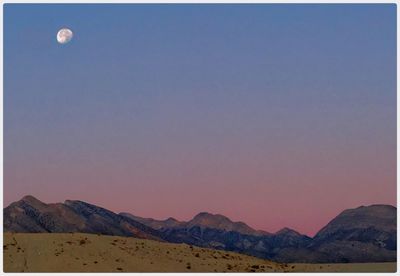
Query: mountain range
pixel 363 234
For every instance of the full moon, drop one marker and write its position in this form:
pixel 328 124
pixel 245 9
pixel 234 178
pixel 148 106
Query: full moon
pixel 64 36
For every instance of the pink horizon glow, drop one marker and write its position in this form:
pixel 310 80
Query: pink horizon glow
pixel 304 198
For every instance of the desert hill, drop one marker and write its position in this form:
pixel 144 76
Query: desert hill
pixel 76 252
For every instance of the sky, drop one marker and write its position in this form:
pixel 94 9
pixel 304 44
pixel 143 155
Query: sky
pixel 275 115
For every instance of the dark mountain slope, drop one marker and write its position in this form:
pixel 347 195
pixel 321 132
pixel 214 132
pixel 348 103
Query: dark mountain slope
pixel 103 221
pixel 375 223
pixel 363 234
pixel 219 232
pixel 31 215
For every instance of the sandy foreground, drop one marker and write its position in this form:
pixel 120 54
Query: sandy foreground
pixel 96 253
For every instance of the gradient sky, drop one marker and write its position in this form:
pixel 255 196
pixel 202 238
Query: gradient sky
pixel 276 115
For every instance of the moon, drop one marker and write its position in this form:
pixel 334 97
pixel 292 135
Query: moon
pixel 64 35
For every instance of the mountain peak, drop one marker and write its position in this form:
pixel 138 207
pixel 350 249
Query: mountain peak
pixel 171 219
pixel 210 220
pixel 31 200
pixel 287 231
pixel 370 211
pixel 217 221
pixel 206 215
pixel 73 201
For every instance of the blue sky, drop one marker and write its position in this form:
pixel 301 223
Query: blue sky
pixel 202 103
